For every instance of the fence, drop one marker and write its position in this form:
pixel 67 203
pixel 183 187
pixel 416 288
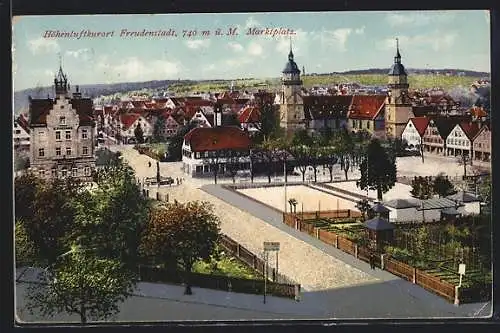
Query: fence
pixel 155 274
pixel 256 262
pixel 324 214
pixel 429 282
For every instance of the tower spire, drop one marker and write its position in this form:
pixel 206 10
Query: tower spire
pixel 290 55
pixel 397 58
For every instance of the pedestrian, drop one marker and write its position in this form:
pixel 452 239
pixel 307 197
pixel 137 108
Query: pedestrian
pixel 372 261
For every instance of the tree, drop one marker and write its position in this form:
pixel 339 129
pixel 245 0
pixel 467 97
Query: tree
pixel 185 233
pixel 442 186
pixel 82 284
pixel 484 190
pixel 269 153
pixel 422 188
pixel 378 170
pixel 159 128
pixel 25 250
pixel 302 158
pixel 330 158
pixel 112 216
pixel 139 134
pixel 363 206
pixel 47 211
pixel 269 123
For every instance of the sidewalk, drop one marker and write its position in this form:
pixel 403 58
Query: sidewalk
pixel 216 298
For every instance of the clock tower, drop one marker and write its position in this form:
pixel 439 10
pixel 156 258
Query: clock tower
pixel 398 109
pixel 291 103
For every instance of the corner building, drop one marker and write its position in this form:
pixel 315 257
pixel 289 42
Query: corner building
pixel 62 133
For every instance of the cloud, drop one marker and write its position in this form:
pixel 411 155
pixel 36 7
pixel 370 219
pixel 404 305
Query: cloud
pixel 83 54
pixel 235 46
pixel 437 40
pixel 359 31
pixel 299 42
pixel 255 49
pixel 198 43
pixel 135 69
pixel 43 45
pixel 336 38
pixel 251 22
pixel 418 19
pixel 238 62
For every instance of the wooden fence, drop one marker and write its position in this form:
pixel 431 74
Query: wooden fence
pixel 405 271
pixel 258 264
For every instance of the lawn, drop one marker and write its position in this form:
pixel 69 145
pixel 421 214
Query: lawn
pixel 227 265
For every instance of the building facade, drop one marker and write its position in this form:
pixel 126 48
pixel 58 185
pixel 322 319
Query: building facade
pixel 482 144
pixel 414 131
pixel 62 133
pixel 21 133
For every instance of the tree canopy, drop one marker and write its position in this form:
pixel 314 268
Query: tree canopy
pixel 378 169
pixel 181 234
pixel 81 283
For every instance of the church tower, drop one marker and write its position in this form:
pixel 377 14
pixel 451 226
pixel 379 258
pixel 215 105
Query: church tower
pixel 291 103
pixel 398 109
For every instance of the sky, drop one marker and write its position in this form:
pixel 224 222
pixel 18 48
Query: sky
pixel 322 42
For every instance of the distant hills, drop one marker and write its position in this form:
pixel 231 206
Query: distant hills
pixel 21 98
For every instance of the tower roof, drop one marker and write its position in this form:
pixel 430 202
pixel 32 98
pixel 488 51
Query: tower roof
pixel 291 66
pixel 397 68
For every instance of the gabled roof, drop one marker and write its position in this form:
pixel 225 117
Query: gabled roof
pixel 463 196
pixel 420 124
pixel 401 203
pixel 128 119
pixel 40 108
pixel 23 123
pixel 485 127
pixel 366 106
pixel 324 107
pixel 436 203
pixel 250 114
pixel 445 126
pixel 217 138
pixel 470 129
pixel 378 224
pixel 379 208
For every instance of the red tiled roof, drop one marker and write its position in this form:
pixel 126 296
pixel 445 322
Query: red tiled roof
pixel 250 114
pixel 23 122
pixel 470 129
pixel 478 112
pixel 366 106
pixel 420 124
pixel 225 101
pixel 128 119
pixel 199 102
pixel 217 138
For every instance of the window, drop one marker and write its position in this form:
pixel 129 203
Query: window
pixel 62 106
pixel 74 172
pixel 68 135
pixel 205 154
pixel 54 172
pixel 68 151
pixel 41 173
pixel 41 152
pixel 197 155
pixel 18 131
pixel 58 151
pixel 87 171
pixel 85 150
pixel 84 134
pixel 58 135
pixel 62 120
pixel 64 172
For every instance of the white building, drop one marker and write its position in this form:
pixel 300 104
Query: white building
pixel 470 204
pixel 21 133
pixel 414 131
pixel 207 148
pixel 460 139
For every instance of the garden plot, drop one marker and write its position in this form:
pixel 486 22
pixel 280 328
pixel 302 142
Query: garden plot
pixel 399 191
pixel 311 199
